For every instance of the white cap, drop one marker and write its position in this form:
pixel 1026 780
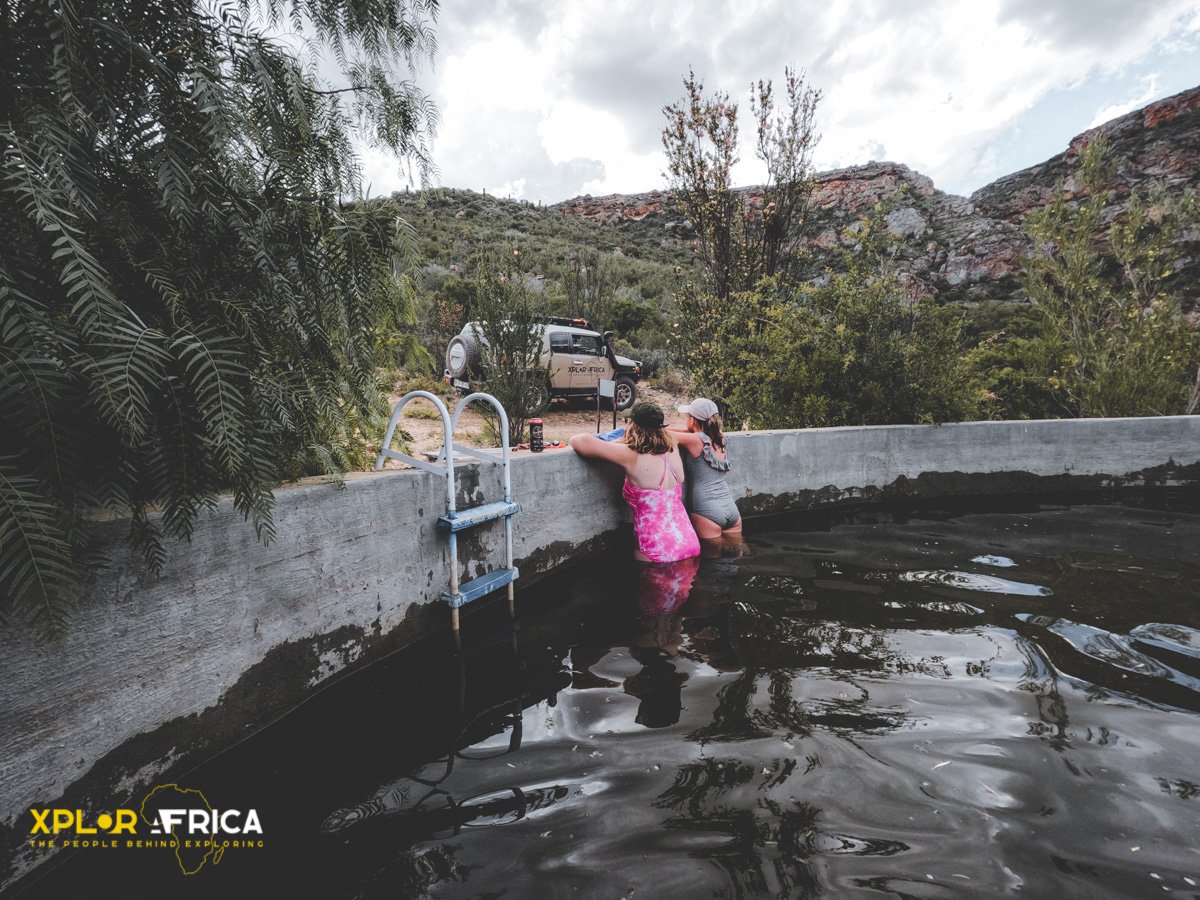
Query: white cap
pixel 701 409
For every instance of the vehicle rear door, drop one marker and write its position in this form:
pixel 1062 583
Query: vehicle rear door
pixel 561 356
pixel 588 362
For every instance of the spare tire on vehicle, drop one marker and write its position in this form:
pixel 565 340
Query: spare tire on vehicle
pixel 462 356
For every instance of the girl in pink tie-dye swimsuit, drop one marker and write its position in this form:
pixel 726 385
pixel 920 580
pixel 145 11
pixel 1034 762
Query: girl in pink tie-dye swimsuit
pixel 664 530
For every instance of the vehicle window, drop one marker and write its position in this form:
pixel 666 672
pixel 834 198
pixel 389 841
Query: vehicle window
pixel 586 343
pixel 560 342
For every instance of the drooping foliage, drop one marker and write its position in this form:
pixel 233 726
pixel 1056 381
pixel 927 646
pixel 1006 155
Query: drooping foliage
pixel 192 297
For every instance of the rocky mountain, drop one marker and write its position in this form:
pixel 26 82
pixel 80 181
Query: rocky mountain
pixel 961 249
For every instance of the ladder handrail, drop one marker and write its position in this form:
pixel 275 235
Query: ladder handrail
pixel 446 470
pixel 505 467
pixel 504 448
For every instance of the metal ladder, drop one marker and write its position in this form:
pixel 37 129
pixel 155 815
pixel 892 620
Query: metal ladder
pixel 456 520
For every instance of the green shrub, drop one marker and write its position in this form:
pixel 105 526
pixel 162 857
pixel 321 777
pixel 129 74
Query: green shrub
pixel 405 382
pixel 855 349
pixel 1114 341
pixel 654 361
pixel 511 347
pixel 675 381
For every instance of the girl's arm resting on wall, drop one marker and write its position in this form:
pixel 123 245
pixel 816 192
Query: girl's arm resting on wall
pixel 590 445
pixel 688 440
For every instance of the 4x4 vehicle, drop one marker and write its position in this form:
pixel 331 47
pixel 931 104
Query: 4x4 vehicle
pixel 575 354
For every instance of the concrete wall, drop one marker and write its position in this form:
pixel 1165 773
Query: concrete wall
pixel 781 470
pixel 158 672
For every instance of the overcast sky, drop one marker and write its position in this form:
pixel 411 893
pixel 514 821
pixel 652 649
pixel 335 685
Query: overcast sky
pixel 545 101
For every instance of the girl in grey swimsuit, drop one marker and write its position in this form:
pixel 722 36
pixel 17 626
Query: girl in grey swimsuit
pixel 706 490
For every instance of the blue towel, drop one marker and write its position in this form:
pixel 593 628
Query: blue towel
pixel 615 435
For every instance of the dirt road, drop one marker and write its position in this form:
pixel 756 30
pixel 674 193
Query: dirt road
pixel 560 422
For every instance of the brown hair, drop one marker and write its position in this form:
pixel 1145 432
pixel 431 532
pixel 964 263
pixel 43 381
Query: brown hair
pixel 712 427
pixel 655 441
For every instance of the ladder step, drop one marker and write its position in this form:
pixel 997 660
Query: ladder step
pixel 481 586
pixel 462 519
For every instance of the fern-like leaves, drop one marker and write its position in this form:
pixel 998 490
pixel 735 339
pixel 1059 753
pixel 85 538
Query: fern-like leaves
pixel 191 295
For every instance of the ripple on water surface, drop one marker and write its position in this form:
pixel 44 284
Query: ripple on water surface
pixel 857 707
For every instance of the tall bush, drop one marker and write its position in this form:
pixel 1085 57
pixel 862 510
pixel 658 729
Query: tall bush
pixel 740 242
pixel 509 324
pixel 1115 341
pixel 854 349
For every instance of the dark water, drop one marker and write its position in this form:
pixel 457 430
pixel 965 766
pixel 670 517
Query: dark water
pixel 889 702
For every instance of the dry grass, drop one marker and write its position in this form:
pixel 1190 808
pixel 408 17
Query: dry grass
pixel 413 411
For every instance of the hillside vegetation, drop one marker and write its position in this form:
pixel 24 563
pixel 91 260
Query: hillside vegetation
pixel 1067 289
pixel 619 278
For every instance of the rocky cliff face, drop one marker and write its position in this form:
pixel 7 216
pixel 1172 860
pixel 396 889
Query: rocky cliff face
pixel 964 249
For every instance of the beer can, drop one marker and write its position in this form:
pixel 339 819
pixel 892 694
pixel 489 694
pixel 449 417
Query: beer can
pixel 535 435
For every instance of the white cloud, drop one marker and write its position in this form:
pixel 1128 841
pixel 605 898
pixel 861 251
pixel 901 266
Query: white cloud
pixel 935 88
pixel 1119 109
pixel 514 190
pixel 568 97
pixel 570 129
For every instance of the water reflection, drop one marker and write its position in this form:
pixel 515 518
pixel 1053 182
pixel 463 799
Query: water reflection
pixel 779 675
pixel 1115 665
pixel 659 686
pixel 1177 641
pixel 427 790
pixel 989 559
pixel 973 581
pixel 661 592
pixel 1041 681
pixel 763 852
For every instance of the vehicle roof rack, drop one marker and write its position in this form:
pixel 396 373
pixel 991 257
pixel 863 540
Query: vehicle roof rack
pixel 573 321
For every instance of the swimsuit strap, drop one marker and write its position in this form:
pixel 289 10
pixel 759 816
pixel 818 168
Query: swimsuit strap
pixel 710 456
pixel 666 468
pixel 667 465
